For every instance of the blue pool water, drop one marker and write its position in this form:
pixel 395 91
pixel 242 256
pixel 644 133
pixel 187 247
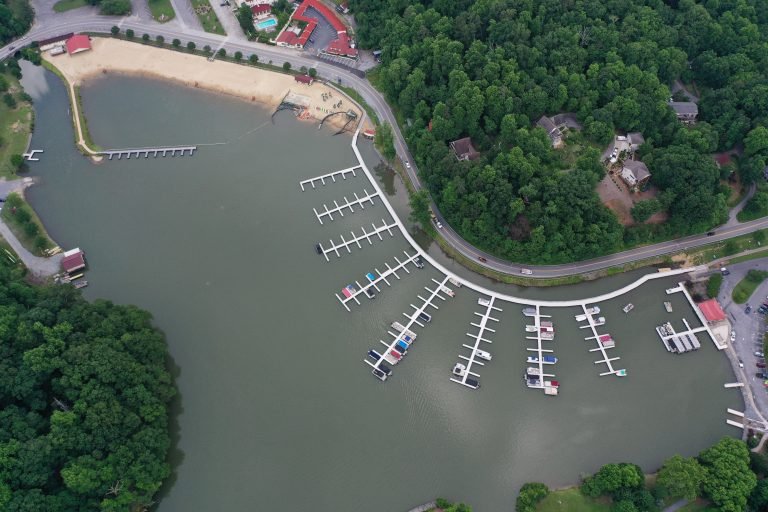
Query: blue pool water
pixel 271 22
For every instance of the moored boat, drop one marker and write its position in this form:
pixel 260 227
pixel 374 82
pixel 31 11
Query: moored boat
pixel 473 383
pixel 370 276
pixel 668 307
pixel 459 370
pixel 425 317
pixel 454 282
pixel 401 329
pixel 482 354
pixel 373 355
pixel 529 311
pixel 590 312
pixel 369 293
pixel 629 307
pixel 532 381
pixel 418 262
pixel 318 249
pixel 600 321
pixel 621 373
pixel 532 370
pixel 606 341
pixel 384 368
pixel 448 291
pixel 670 291
pixel 483 302
pixel 81 284
pixel 379 374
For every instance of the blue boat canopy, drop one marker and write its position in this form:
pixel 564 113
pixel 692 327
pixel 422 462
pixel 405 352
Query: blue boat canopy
pixel 370 276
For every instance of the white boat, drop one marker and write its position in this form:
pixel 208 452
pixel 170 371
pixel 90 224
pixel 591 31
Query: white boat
pixel 459 370
pixel 600 321
pixel 484 302
pixel 530 328
pixel 397 326
pixel 670 291
pixel 549 336
pixel 549 390
pixel 591 311
pixel 529 311
pixel 454 282
pixel 448 291
pixel 629 307
pixel 482 354
pixel 532 370
pixel 621 373
pixel 668 307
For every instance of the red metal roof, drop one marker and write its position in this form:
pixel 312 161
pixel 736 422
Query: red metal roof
pixel 324 11
pixel 261 9
pixel 712 310
pixel 340 46
pixel 73 262
pixel 78 43
pixel 305 79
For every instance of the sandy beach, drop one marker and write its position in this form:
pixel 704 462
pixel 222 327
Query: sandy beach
pixel 248 83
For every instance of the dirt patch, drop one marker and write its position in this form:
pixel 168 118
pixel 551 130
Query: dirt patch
pixel 16 127
pixel 615 194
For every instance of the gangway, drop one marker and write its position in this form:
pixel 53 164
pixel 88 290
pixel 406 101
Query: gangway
pixel 595 336
pixel 482 327
pixel 347 204
pixel 382 276
pixel 331 175
pixel 345 244
pixel 412 319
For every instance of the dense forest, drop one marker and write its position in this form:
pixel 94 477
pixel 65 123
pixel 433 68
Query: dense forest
pixel 84 393
pixel 15 19
pixel 489 69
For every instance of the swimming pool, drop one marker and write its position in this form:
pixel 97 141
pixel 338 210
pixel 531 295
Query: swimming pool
pixel 263 25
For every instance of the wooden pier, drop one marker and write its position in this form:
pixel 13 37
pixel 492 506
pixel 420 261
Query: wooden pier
pixel 481 328
pixel 345 244
pixel 382 276
pixel 330 176
pixel 347 204
pixel 412 319
pixel 146 152
pixel 603 350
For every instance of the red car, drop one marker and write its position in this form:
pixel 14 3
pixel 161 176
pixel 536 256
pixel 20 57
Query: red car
pixel 761 365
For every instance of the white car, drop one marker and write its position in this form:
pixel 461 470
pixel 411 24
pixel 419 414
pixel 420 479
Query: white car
pixel 407 165
pixel 526 271
pixel 438 224
pixel 733 336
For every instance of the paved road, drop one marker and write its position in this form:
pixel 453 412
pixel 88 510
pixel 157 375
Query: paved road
pixel 749 334
pixel 49 24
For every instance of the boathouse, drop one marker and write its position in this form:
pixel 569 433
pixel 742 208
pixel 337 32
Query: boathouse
pixel 712 311
pixel 73 261
pixel 78 43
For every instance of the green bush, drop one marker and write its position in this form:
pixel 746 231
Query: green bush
pixel 160 40
pixel 238 56
pixel 145 38
pixel 287 66
pixel 191 46
pixel 713 285
pixel 222 52
pixel 253 59
pixel 530 495
pixel 176 43
pixel 129 33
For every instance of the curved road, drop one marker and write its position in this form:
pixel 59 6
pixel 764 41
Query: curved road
pixel 48 24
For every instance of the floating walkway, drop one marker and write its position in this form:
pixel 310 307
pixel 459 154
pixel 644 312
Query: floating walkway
pixel 601 345
pixel 330 176
pixel 705 326
pixel 146 152
pixel 679 342
pixel 541 353
pixel 412 319
pixel 345 244
pixel 465 379
pixel 373 281
pixel 347 204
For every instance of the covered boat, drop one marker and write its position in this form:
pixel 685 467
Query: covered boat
pixel 459 370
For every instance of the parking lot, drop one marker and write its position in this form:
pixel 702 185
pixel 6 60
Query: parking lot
pixel 323 34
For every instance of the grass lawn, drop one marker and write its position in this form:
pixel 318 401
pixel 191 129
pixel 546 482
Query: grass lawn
pixel 209 20
pixel 747 286
pixel 707 253
pixel 747 257
pixel 15 126
pixel 162 10
pixel 34 243
pixel 68 5
pixel 571 500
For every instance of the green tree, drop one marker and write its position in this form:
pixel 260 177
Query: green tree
pixel 643 210
pixel 287 66
pixel 115 30
pixel 384 141
pixel 31 229
pixel 3 84
pixel 115 7
pixel 222 52
pixel 253 59
pixel 207 49
pixel 728 481
pixel 17 162
pixel 420 211
pixel 176 43
pixel 238 56
pixel 530 495
pixel 244 16
pixel 145 38
pixel 191 46
pixel 681 477
pixel 713 285
pixel 129 33
pixel 758 500
pixel 160 40
pixel 312 72
pixel 9 100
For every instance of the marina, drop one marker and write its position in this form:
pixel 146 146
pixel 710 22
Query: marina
pixel 356 239
pixel 705 325
pixel 331 176
pixel 347 204
pixel 679 342
pixel 535 377
pixel 373 280
pixel 469 378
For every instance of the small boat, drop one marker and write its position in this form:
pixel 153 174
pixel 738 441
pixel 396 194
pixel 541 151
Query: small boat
pixel 621 373
pixel 529 311
pixel 670 291
pixel 606 341
pixel 407 339
pixel 532 382
pixel 484 302
pixel 373 355
pixel 552 383
pixel 545 360
pixel 402 350
pixel 346 292
pixel 548 336
pixel 385 369
pixel 668 307
pixel 425 317
pixel 402 344
pixel 81 284
pixel 369 293
pixel 474 384
pixel 629 307
pixel 482 354
pixel 454 282
pixel 550 390
pixel 591 311
pixel 397 355
pixel 379 374
pixel 418 262
pixel 318 249
pixel 459 370
pixel 370 276
pixel 391 359
pixel 531 370
pixel 600 321
pixel 448 291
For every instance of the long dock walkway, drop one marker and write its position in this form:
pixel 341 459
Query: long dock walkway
pixel 600 347
pixel 705 326
pixel 330 176
pixel 345 244
pixel 146 152
pixel 539 350
pixel 382 276
pixel 347 204
pixel 412 319
pixel 481 328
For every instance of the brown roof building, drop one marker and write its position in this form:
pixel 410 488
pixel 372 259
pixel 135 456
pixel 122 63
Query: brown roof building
pixel 464 150
pixel 553 132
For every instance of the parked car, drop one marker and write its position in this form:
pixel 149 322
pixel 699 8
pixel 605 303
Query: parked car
pixel 482 259
pixel 762 310
pixel 748 309
pixel 725 271
pixel 760 365
pixel 407 165
pixel 710 233
pixel 438 224
pixel 526 271
pixel 759 354
pixel 760 375
pixel 733 336
pixel 741 363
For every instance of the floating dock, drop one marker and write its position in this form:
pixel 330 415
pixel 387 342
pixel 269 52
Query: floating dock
pixel 602 346
pixel 482 327
pixel 681 288
pixel 373 281
pixel 146 152
pixel 330 176
pixel 546 386
pixel 347 204
pixel 679 342
pixel 356 239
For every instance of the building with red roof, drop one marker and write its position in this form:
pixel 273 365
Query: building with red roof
pixel 78 43
pixel 297 37
pixel 712 311
pixel 73 261
pixel 304 79
pixel 261 10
